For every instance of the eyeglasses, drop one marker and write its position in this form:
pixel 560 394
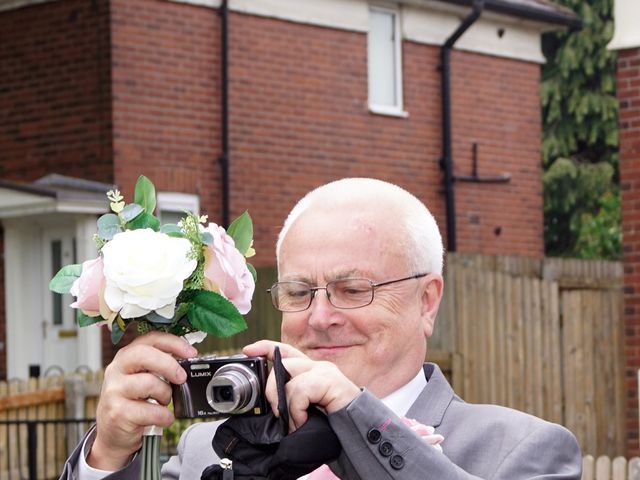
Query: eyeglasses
pixel 344 293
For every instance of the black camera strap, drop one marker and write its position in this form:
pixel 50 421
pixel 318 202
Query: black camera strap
pixel 261 448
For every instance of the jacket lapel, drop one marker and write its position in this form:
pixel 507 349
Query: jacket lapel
pixel 432 403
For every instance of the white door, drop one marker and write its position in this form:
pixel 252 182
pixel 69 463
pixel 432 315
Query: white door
pixel 59 330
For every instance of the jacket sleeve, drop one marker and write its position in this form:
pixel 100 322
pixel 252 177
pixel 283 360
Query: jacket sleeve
pixel 70 469
pixel 377 444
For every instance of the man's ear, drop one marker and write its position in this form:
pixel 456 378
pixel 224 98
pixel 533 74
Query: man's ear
pixel 431 297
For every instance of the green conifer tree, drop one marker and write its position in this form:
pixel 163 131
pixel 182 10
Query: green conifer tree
pixel 580 137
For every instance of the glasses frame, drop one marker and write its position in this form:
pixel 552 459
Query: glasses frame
pixel 313 291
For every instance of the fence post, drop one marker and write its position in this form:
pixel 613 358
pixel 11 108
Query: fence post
pixel 74 401
pixel 32 453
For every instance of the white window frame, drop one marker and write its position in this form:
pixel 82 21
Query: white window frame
pixel 391 110
pixel 177 202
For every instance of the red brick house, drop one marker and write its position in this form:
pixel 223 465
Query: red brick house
pixel 626 41
pixel 247 105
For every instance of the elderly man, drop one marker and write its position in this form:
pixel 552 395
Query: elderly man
pixel 359 268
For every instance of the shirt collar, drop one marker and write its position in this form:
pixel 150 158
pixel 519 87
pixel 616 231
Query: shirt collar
pixel 401 400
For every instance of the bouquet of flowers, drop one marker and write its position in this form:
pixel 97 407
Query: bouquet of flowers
pixel 186 279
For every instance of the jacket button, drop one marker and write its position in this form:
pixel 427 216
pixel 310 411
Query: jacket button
pixel 374 435
pixel 397 462
pixel 386 449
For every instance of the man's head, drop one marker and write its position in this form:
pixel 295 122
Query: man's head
pixel 366 229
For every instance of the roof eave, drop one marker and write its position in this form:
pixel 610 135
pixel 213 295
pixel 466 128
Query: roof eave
pixel 565 19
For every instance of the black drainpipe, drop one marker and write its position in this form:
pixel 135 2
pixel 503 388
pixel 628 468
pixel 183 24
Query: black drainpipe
pixel 446 162
pixel 224 92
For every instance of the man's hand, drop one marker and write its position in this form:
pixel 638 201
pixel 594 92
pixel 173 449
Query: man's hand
pixel 133 377
pixel 312 382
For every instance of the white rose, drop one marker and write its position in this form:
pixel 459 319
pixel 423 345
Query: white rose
pixel 145 270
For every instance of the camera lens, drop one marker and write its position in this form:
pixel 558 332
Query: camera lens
pixel 223 394
pixel 233 389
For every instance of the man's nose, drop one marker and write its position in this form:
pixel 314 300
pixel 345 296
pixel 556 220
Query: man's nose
pixel 322 313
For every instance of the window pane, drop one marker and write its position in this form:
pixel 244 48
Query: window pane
pixel 168 216
pixel 382 61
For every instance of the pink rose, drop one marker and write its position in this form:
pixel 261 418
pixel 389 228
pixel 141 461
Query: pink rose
pixel 88 286
pixel 225 270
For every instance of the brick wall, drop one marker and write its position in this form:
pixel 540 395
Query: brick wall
pixel 54 91
pixel 496 104
pixel 629 98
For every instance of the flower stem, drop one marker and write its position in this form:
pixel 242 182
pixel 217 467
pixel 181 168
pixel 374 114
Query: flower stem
pixel 150 457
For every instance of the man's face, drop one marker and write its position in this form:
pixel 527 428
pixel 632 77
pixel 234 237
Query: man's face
pixel 380 346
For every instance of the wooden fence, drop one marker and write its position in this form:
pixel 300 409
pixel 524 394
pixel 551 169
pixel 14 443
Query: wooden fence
pixel 604 468
pixel 543 336
pixel 40 399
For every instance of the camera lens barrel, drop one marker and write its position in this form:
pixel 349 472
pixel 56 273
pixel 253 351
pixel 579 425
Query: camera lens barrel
pixel 233 389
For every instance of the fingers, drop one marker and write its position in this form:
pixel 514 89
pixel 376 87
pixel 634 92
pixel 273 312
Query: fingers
pixel 265 348
pixel 312 382
pixel 153 352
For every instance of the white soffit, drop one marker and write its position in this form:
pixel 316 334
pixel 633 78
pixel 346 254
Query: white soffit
pixel 430 23
pixel 491 34
pixel 626 16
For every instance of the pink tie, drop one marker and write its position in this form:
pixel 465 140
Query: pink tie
pixel 322 473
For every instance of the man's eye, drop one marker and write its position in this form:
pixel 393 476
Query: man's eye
pixel 297 293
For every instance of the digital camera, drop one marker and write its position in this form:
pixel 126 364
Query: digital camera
pixel 221 386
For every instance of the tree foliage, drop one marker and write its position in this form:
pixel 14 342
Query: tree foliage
pixel 580 137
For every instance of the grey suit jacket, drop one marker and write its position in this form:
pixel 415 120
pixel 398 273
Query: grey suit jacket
pixel 480 442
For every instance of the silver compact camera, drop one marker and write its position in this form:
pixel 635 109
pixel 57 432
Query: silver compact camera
pixel 221 386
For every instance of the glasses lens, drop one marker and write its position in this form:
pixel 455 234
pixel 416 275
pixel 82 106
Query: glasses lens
pixel 291 296
pixel 350 292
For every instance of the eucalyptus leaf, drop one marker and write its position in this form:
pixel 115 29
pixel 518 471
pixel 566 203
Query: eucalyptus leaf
pixel 241 230
pixel 169 228
pixel 63 280
pixel 116 333
pixel 131 211
pixel 254 274
pixel 144 220
pixel 154 318
pixel 145 194
pixel 85 320
pixel 212 313
pixel 207 238
pixel 108 226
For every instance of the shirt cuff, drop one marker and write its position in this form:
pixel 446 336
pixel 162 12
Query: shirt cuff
pixel 86 471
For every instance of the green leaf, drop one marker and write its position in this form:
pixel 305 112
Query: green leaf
pixel 85 320
pixel 241 230
pixel 212 313
pixel 145 194
pixel 144 220
pixel 63 280
pixel 108 226
pixel 116 332
pixel 131 211
pixel 254 274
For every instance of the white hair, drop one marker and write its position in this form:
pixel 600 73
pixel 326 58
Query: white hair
pixel 425 253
